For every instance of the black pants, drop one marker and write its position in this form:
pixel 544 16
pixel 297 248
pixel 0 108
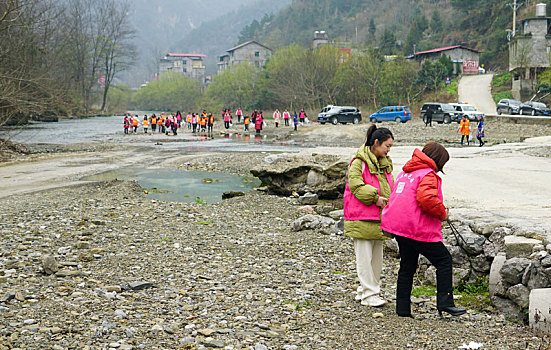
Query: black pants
pixel 463 136
pixel 227 125
pixel 286 122
pixel 428 120
pixel 481 143
pixel 439 256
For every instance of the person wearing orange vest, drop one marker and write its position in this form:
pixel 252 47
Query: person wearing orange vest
pixel 188 120
pixel 210 120
pixel 153 123
pixel 246 121
pixel 145 124
pixel 135 123
pixel 464 129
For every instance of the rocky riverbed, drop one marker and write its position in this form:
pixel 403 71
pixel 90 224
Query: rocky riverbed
pixel 101 265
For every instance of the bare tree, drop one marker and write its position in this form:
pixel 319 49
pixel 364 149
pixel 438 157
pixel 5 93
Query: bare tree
pixel 119 52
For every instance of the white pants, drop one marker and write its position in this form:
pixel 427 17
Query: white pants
pixel 369 264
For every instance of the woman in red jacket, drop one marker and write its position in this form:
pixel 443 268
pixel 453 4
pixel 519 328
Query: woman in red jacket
pixel 414 216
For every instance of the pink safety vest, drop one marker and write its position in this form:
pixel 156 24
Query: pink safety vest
pixel 403 216
pixel 354 209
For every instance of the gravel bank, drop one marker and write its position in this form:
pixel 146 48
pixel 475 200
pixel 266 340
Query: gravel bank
pixel 230 275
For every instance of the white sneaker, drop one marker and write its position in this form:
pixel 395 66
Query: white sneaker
pixel 374 301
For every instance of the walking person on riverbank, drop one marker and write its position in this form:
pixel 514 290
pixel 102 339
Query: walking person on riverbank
pixel 286 117
pixel 295 120
pixel 145 124
pixel 480 131
pixel 428 116
pixel 153 123
pixel 126 124
pixel 226 119
pixel 277 117
pixel 246 121
pixel 464 129
pixel 135 123
pixel 414 216
pixel 239 113
pixel 258 123
pixel 302 116
pixel 366 194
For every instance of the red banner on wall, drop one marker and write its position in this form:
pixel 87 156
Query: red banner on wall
pixel 470 67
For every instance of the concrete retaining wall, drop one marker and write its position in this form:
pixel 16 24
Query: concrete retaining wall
pixel 518 119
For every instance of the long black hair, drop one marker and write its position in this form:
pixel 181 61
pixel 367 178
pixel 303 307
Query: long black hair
pixel 374 133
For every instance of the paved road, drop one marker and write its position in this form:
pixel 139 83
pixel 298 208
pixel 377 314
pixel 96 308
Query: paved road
pixel 476 90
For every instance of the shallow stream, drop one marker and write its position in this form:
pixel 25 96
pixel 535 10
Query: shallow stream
pixel 181 185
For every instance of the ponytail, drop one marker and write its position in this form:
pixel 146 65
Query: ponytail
pixel 374 133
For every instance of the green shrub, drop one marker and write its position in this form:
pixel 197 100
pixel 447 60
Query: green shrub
pixel 501 95
pixel 502 79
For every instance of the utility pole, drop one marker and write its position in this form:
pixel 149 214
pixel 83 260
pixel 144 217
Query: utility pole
pixel 515 7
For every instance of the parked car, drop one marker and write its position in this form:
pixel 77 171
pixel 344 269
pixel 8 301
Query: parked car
pixel 398 114
pixel 441 112
pixel 534 108
pixel 340 114
pixel 508 106
pixel 325 110
pixel 465 109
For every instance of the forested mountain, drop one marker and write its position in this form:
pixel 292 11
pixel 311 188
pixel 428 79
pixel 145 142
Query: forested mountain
pixel 395 26
pixel 215 36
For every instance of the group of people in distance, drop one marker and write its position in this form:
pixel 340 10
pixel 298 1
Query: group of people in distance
pixel 204 122
pixel 409 209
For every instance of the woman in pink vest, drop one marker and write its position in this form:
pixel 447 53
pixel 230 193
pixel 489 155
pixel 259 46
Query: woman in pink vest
pixel 414 216
pixel 366 193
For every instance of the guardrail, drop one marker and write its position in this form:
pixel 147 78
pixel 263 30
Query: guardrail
pixel 519 119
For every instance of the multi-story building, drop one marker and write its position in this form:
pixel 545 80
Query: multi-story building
pixel 251 52
pixel 187 64
pixel 529 51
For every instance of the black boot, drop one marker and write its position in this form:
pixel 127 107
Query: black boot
pixel 445 304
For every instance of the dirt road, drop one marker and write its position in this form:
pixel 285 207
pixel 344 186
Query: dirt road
pixel 476 90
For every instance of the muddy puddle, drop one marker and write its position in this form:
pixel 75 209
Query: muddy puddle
pixel 181 185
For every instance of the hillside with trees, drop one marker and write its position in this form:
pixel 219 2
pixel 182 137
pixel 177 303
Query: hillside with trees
pixel 395 26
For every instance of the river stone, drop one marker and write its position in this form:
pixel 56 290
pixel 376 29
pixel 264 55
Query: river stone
pixel 480 264
pixel 232 194
pixel 213 343
pixel 336 214
pixel 519 247
pixel 140 285
pixel 513 269
pixel 490 249
pixel 536 276
pixel 495 276
pixel 483 228
pixel 459 257
pixel 315 178
pixel 49 264
pixel 509 309
pixel 274 158
pixel 308 199
pixel 471 242
pixel 519 294
pixel 546 262
pixel 315 222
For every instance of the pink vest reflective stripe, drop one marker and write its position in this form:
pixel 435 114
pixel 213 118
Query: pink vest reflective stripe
pixel 354 209
pixel 403 216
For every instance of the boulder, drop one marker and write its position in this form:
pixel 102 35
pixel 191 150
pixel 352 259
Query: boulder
pixel 540 311
pixel 509 309
pixel 308 199
pixel 315 222
pixel 519 247
pixel 513 269
pixel 495 276
pixel 480 264
pixel 459 257
pixel 546 262
pixel 472 243
pixel 231 194
pixel 324 175
pixel 536 276
pixel 519 294
pixel 483 228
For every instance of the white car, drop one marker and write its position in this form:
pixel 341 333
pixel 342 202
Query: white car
pixel 466 109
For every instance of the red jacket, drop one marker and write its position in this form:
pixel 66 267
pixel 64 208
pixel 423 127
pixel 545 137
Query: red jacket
pixel 427 192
